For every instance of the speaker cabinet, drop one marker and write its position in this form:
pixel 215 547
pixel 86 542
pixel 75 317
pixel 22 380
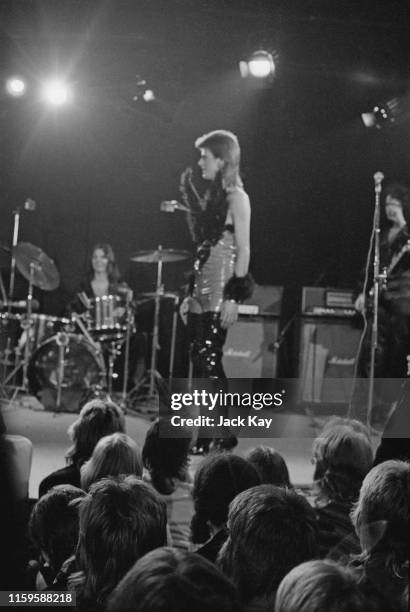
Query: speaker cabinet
pixel 249 350
pixel 327 357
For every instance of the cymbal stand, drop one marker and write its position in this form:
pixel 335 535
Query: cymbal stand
pixel 128 310
pixel 173 340
pixel 155 333
pixel 62 341
pixel 27 346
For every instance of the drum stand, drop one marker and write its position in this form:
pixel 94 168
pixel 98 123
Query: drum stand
pixel 27 346
pixel 155 382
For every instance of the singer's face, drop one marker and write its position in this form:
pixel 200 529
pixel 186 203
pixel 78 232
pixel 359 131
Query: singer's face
pixel 99 261
pixel 394 210
pixel 209 164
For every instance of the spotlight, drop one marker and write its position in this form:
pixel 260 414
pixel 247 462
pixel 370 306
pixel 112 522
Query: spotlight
pixel 56 92
pixel 383 114
pixel 142 91
pixel 16 87
pixel 148 95
pixel 260 65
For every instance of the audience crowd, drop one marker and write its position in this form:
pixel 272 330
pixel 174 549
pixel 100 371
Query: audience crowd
pixel 138 529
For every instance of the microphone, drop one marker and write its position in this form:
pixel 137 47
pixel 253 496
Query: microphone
pixel 30 204
pixel 170 206
pixel 378 177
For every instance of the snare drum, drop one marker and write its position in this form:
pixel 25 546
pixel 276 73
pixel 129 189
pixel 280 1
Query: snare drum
pixel 107 317
pixel 84 367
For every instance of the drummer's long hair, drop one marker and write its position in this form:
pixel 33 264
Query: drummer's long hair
pixel 113 272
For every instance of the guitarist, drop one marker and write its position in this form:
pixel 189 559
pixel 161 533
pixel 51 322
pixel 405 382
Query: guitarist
pixel 394 329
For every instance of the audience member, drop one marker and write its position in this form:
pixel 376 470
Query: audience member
pixel 98 418
pixel 342 456
pixel 382 521
pixel 114 455
pixel 166 461
pixel 53 529
pixel 271 530
pixel 167 580
pixel 324 586
pixel 270 465
pixel 219 478
pixel 121 519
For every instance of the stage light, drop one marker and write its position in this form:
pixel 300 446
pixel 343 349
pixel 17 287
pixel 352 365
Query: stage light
pixel 383 114
pixel 148 95
pixel 260 65
pixel 56 93
pixel 16 87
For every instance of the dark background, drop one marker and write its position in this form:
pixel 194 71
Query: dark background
pixel 99 167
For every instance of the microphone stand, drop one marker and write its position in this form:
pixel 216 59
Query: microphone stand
pixel 378 178
pixel 16 214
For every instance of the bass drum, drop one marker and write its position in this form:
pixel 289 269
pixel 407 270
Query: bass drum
pixel 83 372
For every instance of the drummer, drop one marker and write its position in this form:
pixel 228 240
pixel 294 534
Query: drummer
pixel 104 279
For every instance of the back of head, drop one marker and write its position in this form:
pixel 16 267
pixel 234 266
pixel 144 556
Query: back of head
pixel 382 514
pixel 271 530
pixel 270 465
pixel 121 519
pixel 166 580
pixel 114 455
pixel 219 478
pixel 54 524
pixel 164 456
pixel 320 586
pixel 224 145
pixel 343 456
pixel 355 424
pixel 98 418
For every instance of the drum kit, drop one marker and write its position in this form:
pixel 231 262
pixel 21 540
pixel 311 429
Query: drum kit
pixel 58 358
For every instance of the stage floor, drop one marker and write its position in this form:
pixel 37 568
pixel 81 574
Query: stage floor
pixel 48 434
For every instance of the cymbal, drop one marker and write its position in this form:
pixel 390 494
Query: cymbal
pixel 45 274
pixel 164 255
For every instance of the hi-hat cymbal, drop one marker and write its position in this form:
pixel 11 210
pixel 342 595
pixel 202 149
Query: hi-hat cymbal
pixel 45 274
pixel 164 255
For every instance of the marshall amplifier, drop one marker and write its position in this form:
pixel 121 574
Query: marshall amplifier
pixel 249 350
pixel 329 338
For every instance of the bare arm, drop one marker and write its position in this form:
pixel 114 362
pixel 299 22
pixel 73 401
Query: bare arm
pixel 240 209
